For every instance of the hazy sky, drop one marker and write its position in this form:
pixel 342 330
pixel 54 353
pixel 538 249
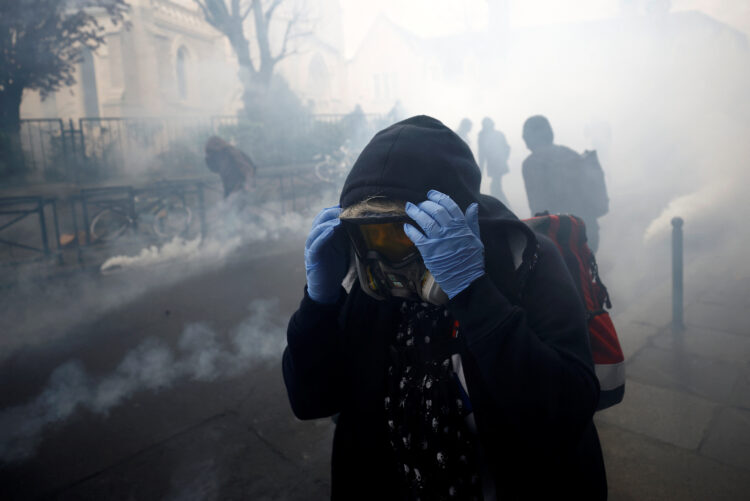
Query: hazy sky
pixel 436 17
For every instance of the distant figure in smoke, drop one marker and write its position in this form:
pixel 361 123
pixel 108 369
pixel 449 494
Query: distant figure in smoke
pixel 396 113
pixel 493 157
pixel 356 126
pixel 452 378
pixel 236 169
pixel 560 180
pixel 463 130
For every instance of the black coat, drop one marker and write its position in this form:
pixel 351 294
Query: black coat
pixel 525 350
pixel 528 369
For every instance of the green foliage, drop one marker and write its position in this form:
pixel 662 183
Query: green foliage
pixel 42 40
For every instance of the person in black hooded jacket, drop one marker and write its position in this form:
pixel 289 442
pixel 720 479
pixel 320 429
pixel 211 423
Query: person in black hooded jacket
pixel 489 393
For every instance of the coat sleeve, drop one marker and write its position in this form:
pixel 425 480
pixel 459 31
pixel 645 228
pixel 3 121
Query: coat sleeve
pixel 534 362
pixel 311 361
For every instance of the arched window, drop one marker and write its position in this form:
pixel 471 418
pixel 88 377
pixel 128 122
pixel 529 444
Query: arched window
pixel 318 78
pixel 88 82
pixel 182 61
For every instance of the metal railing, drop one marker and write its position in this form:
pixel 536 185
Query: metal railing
pixel 101 148
pixel 27 216
pixel 294 187
pixel 95 200
pixel 277 190
pixel 337 117
pixel 43 146
pixel 117 144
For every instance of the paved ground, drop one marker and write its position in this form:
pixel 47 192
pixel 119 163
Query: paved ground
pixel 683 431
pixel 232 438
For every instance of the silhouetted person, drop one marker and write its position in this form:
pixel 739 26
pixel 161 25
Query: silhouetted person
pixel 356 126
pixel 493 157
pixel 463 130
pixel 396 113
pixel 236 169
pixel 556 178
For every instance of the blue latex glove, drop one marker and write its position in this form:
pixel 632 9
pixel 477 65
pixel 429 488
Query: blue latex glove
pixel 450 246
pixel 326 256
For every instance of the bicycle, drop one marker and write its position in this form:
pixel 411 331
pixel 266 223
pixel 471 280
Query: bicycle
pixel 167 216
pixel 333 168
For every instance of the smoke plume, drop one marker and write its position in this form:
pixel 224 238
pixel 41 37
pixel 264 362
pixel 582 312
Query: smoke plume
pixel 232 226
pixel 200 355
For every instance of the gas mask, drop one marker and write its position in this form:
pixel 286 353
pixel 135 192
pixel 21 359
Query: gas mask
pixel 388 263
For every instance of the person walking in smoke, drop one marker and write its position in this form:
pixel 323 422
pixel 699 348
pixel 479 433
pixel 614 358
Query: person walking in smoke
pixel 560 180
pixel 447 336
pixel 236 169
pixel 493 157
pixel 463 130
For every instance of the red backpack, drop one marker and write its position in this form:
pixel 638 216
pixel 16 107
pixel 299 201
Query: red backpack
pixel 569 234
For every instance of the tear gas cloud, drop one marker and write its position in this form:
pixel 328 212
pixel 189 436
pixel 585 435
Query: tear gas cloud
pixel 662 97
pixel 235 231
pixel 232 228
pixel 201 354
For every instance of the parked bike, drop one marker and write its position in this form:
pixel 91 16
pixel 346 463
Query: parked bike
pixel 166 216
pixel 333 168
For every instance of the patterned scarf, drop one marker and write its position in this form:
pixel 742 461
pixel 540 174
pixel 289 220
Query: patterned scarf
pixel 426 408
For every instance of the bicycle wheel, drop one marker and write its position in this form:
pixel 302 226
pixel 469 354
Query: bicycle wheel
pixel 325 171
pixel 172 220
pixel 107 225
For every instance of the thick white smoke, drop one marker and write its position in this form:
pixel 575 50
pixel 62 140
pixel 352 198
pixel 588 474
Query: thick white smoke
pixel 201 354
pixel 698 207
pixel 234 233
pixel 663 100
pixel 232 226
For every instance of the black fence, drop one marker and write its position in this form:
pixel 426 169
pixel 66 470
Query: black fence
pixel 24 229
pixel 42 143
pixel 83 225
pixel 116 146
pixel 105 148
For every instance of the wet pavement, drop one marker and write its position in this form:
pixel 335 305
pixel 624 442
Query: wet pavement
pixel 682 432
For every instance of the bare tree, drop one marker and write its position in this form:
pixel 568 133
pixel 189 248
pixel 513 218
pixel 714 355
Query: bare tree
pixel 229 16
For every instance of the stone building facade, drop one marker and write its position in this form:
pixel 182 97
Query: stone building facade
pixel 172 63
pixel 169 63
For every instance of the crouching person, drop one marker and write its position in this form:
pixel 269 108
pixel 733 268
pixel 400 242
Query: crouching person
pixel 456 354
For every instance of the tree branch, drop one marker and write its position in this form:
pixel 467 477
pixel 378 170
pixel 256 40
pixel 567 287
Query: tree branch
pixel 271 9
pixel 203 9
pixel 215 12
pixel 247 11
pixel 287 35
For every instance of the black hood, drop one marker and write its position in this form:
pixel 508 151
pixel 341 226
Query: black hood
pixel 408 159
pixel 414 156
pixel 411 157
